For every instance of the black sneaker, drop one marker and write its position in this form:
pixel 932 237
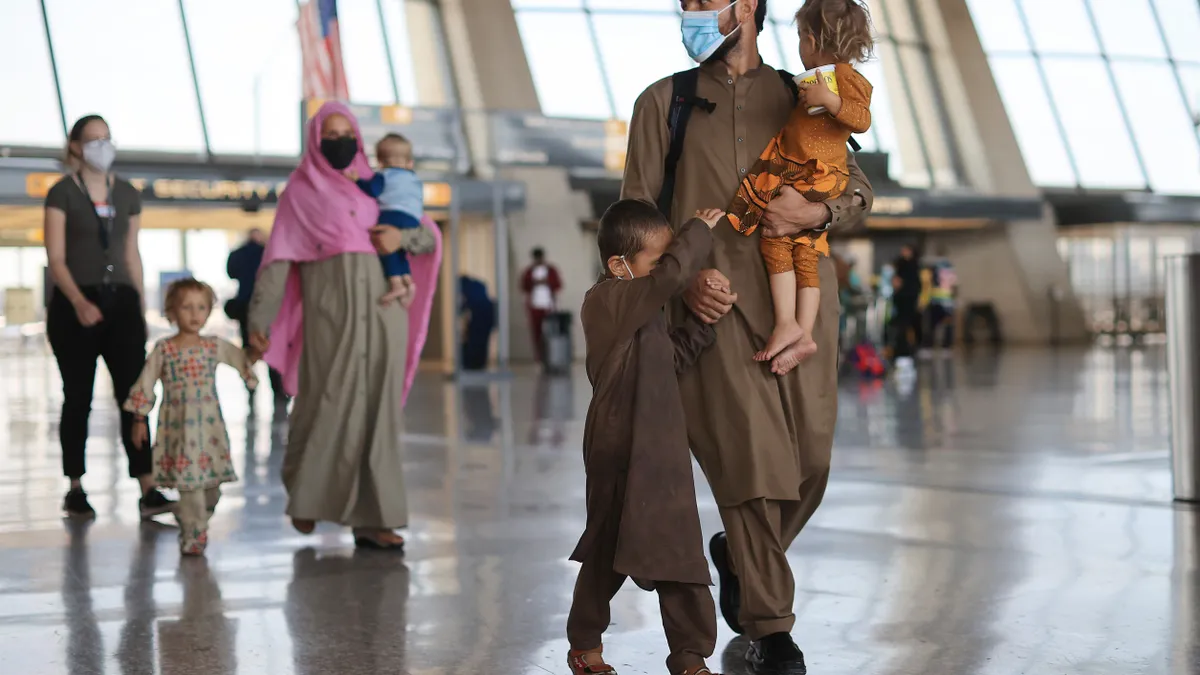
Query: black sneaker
pixel 76 504
pixel 776 654
pixel 731 589
pixel 154 503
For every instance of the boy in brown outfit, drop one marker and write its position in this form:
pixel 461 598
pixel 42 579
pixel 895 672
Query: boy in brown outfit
pixel 642 520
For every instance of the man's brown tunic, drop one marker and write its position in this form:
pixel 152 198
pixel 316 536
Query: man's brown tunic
pixel 755 435
pixel 763 441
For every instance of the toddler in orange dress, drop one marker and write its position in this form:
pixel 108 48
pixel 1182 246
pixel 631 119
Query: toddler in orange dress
pixel 809 155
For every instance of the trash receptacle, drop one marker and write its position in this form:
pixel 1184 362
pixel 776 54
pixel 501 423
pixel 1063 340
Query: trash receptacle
pixel 556 342
pixel 1183 337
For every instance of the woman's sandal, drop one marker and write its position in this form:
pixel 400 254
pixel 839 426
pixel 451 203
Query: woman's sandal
pixel 372 540
pixel 577 662
pixel 304 526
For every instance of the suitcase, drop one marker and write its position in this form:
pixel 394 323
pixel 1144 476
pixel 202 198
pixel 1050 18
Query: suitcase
pixel 557 354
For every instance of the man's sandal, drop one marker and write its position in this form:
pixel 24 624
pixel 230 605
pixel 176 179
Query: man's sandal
pixel 578 664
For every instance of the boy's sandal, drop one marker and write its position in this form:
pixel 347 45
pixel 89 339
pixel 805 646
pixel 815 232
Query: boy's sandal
pixel 579 666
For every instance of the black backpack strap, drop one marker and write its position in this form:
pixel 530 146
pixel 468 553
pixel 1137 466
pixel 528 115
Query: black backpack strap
pixel 789 81
pixel 683 100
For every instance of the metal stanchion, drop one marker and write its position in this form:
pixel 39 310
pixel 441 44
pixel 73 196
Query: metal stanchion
pixel 1183 336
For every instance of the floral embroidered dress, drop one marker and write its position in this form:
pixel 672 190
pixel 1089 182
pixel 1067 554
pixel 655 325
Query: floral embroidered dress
pixel 191 450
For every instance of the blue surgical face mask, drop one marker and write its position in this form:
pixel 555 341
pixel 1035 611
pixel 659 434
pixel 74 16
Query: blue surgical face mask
pixel 702 33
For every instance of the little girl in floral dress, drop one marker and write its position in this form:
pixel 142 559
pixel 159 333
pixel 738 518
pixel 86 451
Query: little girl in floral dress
pixel 192 449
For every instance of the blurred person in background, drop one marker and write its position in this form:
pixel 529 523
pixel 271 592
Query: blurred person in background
pixel 850 296
pixel 480 313
pixel 92 220
pixel 906 316
pixel 540 283
pixel 943 288
pixel 242 267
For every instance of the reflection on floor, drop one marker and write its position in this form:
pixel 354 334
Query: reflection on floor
pixel 1009 514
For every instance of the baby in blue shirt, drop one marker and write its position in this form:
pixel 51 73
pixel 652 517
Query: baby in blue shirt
pixel 401 204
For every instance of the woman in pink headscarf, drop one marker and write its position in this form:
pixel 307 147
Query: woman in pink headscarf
pixel 316 315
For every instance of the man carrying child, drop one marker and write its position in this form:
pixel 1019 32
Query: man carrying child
pixel 764 441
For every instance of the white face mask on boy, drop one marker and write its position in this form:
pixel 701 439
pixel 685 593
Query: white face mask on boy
pixel 627 268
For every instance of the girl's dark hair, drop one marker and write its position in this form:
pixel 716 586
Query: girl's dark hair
pixel 180 286
pixel 76 135
pixel 81 124
pixel 840 28
pixel 625 226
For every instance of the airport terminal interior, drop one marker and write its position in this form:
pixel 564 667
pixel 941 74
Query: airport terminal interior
pixel 1014 463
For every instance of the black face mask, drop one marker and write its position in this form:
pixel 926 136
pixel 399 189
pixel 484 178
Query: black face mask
pixel 339 151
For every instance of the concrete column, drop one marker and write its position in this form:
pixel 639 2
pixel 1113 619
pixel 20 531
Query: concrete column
pixel 1016 267
pixel 434 83
pixel 490 72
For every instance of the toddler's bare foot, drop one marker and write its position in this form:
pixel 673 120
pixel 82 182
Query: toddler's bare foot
pixel 793 355
pixel 410 293
pixel 397 290
pixel 784 335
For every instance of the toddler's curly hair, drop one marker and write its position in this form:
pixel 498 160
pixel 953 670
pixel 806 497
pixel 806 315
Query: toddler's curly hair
pixel 840 28
pixel 178 288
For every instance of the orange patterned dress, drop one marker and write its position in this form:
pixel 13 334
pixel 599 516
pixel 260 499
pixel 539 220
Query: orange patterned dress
pixel 809 155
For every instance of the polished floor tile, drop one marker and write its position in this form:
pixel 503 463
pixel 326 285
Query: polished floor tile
pixel 1004 514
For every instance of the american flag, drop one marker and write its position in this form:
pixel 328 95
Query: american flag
pixel 321 48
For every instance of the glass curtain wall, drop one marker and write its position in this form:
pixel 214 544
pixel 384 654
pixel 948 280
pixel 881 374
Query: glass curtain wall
pixel 247 70
pixel 1101 93
pixel 611 50
pixel 1118 274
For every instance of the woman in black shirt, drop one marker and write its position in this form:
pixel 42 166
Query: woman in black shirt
pixel 96 310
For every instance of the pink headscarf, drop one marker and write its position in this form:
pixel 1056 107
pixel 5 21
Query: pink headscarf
pixel 425 275
pixel 321 214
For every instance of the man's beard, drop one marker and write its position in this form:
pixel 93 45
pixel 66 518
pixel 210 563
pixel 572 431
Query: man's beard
pixel 726 48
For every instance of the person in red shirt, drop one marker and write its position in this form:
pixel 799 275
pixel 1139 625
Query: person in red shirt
pixel 540 283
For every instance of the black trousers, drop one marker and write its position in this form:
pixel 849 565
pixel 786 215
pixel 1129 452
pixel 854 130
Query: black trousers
pixel 276 378
pixel 906 326
pixel 941 325
pixel 120 339
pixel 477 339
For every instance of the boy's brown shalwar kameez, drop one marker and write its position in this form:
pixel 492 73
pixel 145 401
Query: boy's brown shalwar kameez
pixel 642 520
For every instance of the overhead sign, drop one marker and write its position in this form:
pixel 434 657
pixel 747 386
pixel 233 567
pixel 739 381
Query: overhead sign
pixel 37 186
pixel 891 206
pixel 193 190
pixel 955 205
pixel 593 147
pixel 434 132
pixel 186 189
